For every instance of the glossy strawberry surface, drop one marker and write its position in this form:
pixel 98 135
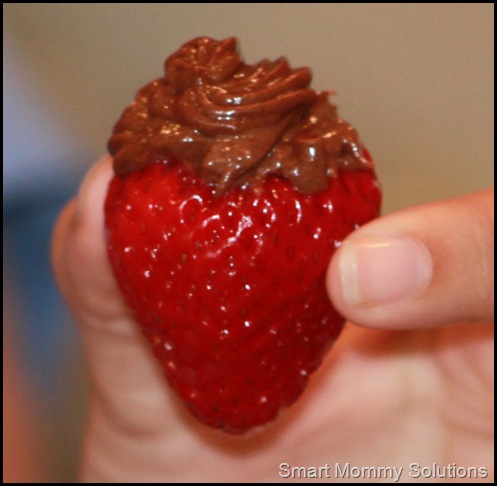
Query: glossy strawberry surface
pixel 230 290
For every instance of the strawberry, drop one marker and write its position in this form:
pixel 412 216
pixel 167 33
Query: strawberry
pixel 220 230
pixel 230 291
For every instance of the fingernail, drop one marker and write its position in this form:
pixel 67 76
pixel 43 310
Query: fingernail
pixel 383 270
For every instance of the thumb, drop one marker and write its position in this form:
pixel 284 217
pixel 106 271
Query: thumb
pixel 425 266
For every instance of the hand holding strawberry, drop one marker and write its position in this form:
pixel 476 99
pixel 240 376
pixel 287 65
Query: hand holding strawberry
pixel 406 389
pixel 219 235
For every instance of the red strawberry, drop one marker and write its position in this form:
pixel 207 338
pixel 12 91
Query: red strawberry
pixel 234 184
pixel 230 290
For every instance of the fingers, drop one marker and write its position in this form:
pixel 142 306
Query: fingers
pixel 130 397
pixel 86 280
pixel 78 251
pixel 425 266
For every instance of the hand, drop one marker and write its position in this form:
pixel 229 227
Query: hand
pixel 382 397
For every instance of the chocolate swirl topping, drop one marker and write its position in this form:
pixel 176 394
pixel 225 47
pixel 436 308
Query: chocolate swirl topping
pixel 233 123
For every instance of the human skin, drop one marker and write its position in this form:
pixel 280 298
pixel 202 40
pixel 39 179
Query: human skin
pixel 414 383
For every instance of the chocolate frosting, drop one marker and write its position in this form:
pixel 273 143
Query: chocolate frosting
pixel 234 123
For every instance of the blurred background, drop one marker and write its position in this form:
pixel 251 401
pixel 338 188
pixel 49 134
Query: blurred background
pixel 416 80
